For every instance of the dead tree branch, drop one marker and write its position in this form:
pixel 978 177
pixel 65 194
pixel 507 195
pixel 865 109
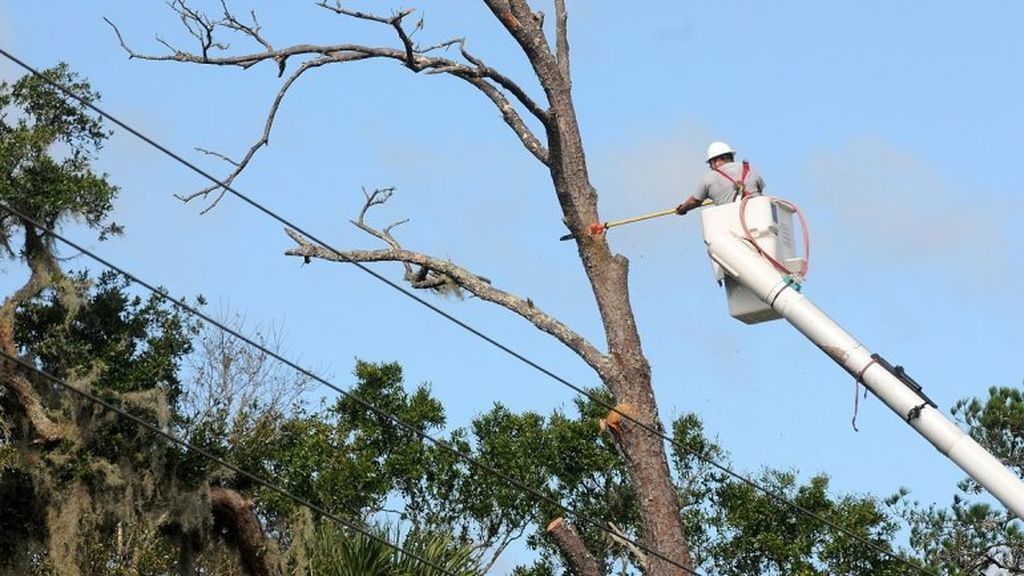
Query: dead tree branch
pixel 264 140
pixel 562 40
pixel 435 271
pixel 616 534
pixel 497 87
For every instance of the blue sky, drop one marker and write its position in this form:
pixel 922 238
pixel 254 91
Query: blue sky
pixel 894 126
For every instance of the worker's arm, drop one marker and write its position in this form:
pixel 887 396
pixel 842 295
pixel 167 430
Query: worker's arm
pixel 690 203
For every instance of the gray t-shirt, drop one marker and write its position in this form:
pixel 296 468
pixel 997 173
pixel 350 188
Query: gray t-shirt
pixel 721 190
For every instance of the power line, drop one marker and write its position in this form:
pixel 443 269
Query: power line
pixel 493 471
pixel 280 219
pixel 313 376
pixel 273 215
pixel 208 455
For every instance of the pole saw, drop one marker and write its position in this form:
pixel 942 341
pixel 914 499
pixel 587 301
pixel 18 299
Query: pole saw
pixel 599 228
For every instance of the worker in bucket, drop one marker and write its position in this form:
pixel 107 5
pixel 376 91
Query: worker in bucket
pixel 728 180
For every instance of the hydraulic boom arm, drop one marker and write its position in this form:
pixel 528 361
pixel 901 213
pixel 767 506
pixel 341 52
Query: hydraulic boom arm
pixel 745 267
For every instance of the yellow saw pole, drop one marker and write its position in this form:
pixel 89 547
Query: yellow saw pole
pixel 600 228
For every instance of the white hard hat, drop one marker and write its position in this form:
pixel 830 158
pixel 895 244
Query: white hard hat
pixel 716 149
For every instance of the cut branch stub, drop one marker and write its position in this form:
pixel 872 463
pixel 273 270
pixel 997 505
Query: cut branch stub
pixel 617 417
pixel 580 562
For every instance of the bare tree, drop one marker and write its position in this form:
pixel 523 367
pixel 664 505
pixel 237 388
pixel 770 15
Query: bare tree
pixel 622 365
pixel 237 391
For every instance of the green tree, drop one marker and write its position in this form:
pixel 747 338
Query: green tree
pixel 106 482
pixel 972 537
pixel 46 150
pixel 47 187
pixel 335 552
pixel 344 457
pixel 47 147
pixel 744 530
pixel 84 491
pixel 759 534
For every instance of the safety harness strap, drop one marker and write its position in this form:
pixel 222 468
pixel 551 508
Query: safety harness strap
pixel 739 185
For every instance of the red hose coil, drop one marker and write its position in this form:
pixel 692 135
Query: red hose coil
pixel 803 228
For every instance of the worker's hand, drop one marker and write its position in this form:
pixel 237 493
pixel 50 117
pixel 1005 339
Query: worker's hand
pixel 681 209
pixel 596 229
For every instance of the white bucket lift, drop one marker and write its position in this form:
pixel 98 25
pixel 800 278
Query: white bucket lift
pixel 759 289
pixel 770 224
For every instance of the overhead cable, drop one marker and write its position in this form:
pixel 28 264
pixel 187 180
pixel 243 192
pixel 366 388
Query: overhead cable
pixel 180 303
pixel 476 332
pixel 220 461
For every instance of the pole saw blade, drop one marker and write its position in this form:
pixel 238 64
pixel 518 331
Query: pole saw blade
pixel 599 228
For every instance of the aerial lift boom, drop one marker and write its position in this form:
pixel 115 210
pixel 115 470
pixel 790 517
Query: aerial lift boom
pixel 752 249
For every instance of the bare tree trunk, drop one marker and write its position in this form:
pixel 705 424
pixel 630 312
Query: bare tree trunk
pixel 234 515
pixel 624 369
pixel 630 376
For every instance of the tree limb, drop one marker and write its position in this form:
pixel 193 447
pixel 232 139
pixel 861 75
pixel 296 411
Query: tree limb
pixel 512 118
pixel 264 140
pixel 619 537
pixel 579 560
pixel 236 518
pixel 562 40
pixel 44 273
pixel 525 28
pixel 464 279
pixel 487 80
pixel 499 548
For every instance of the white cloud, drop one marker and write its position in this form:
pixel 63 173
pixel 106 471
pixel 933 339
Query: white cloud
pixel 900 210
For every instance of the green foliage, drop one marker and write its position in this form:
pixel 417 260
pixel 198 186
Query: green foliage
pixel 997 424
pixel 760 534
pixel 536 569
pixel 967 539
pixel 517 445
pixel 121 342
pixel 340 552
pixel 733 528
pixel 565 457
pixel 47 145
pixel 696 480
pixel 127 350
pixel 441 550
pixel 346 458
pixel 973 538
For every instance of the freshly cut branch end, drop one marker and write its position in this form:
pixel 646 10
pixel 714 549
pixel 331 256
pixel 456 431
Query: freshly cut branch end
pixel 614 420
pixel 578 560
